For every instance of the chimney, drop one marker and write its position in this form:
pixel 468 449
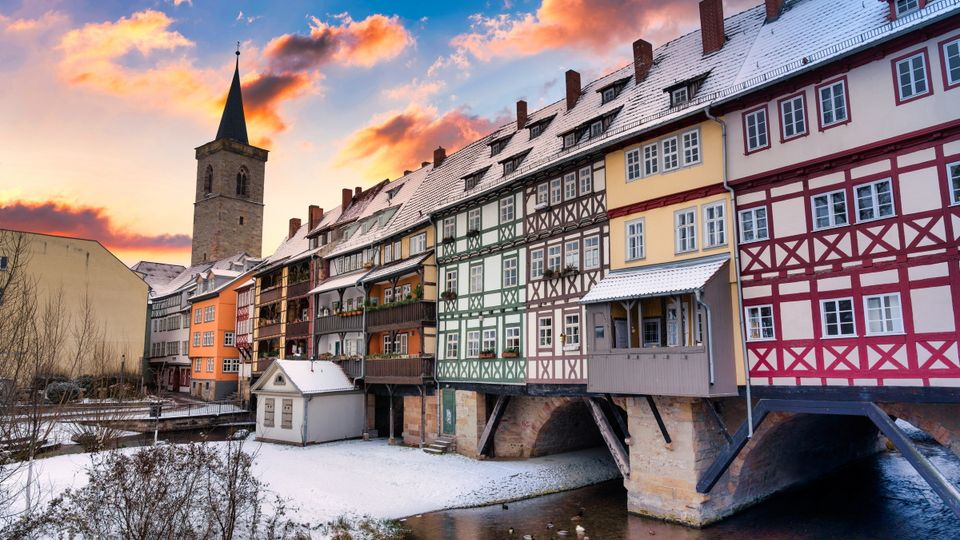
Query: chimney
pixel 314 215
pixel 711 25
pixel 345 199
pixel 357 191
pixel 773 9
pixel 642 59
pixel 573 87
pixel 438 156
pixel 521 114
pixel 424 163
pixel 294 227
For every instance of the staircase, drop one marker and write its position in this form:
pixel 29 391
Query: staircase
pixel 441 445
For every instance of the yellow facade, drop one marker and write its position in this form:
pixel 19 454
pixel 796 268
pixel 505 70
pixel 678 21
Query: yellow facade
pixel 660 245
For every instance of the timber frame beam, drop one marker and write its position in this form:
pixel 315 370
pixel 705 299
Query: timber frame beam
pixel 490 428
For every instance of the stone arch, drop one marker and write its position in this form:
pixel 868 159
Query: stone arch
pixel 537 426
pixel 243 182
pixel 938 420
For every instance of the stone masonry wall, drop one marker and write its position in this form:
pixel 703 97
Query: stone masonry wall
pixel 411 420
pixel 471 417
pixel 940 421
pixel 536 426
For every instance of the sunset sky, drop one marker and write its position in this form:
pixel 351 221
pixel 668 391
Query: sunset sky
pixel 103 102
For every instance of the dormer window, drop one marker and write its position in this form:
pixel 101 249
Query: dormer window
pixel 393 193
pixel 589 130
pixel 610 92
pixel 679 96
pixel 596 128
pixel 904 7
pixel 537 128
pixel 498 145
pixel 569 139
pixel 471 181
pixel 608 95
pixel 682 92
pixel 511 164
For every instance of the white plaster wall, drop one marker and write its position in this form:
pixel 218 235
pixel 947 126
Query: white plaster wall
pixel 789 217
pixel 919 190
pixel 797 319
pixel 333 417
pixel 932 309
pixel 277 433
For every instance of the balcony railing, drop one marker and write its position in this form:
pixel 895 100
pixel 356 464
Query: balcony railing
pixel 269 295
pixel 261 364
pixel 298 289
pixel 335 323
pixel 402 316
pixel 351 366
pixel 664 371
pixel 268 330
pixel 298 328
pixel 412 370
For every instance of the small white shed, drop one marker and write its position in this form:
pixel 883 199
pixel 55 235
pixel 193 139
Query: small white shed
pixel 304 401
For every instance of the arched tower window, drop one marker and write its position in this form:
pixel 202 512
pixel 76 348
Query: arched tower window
pixel 243 188
pixel 208 180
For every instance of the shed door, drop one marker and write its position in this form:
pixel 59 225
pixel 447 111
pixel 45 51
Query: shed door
pixel 286 414
pixel 449 411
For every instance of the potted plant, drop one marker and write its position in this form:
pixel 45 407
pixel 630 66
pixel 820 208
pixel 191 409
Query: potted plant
pixel 570 270
pixel 549 273
pixel 473 232
pixel 418 292
pixel 449 294
pixel 449 239
pixel 368 264
pixel 326 356
pixel 488 353
pixel 511 352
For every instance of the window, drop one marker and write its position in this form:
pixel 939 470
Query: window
pixel 883 314
pixel 833 103
pixel 406 291
pixel 286 414
pixel 208 339
pixel 231 365
pixel 829 210
pixel 691 147
pixel 537 129
pixel 507 213
pixel 545 330
pixel 591 253
pixel 753 224
pixel 512 339
pixel 633 164
pixel 586 180
pixel 387 344
pixel 512 164
pixel 471 181
pixel 536 263
pixel 268 412
pixel 793 117
pixel 555 193
pixel 911 77
pixel 510 272
pixel 197 364
pixel 571 330
pixel 953 177
pixel 388 295
pixel 418 243
pixel 453 346
pixel 489 340
pixel 451 280
pixel 596 128
pixel 473 344
pixel 759 322
pixel 208 180
pixel 473 220
pixel 671 155
pixel 571 256
pixel 950 59
pixel 497 146
pixel 651 161
pixel 906 6
pixel 543 193
pixel 874 200
pixel 196 339
pixel 209 313
pixel 3 262
pixel 476 278
pixel 569 139
pixel 679 96
pixel 243 188
pixel 570 186
pixel 608 94
pixel 635 243
pixel 837 317
pixel 228 339
pixel 715 224
pixel 685 222
pixel 651 332
pixel 553 257
pixel 210 366
pixel 400 343
pixel 755 130
pixel 197 314
pixel 449 228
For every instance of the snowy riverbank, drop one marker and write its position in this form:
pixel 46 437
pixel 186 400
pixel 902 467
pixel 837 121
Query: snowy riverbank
pixel 372 478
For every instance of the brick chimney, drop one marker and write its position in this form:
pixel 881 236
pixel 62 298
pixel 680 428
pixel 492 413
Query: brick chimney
pixel 357 191
pixel 711 25
pixel 642 59
pixel 521 114
pixel 573 87
pixel 314 215
pixel 406 172
pixel 438 156
pixel 294 227
pixel 424 163
pixel 773 9
pixel 346 197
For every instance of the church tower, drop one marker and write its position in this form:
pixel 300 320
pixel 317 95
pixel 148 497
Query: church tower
pixel 228 212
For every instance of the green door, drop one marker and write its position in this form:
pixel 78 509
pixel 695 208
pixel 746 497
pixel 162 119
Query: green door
pixel 449 411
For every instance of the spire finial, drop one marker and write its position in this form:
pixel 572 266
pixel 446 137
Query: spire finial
pixel 238 48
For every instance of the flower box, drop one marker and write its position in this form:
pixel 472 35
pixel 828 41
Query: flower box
pixel 487 354
pixel 473 232
pixel 449 239
pixel 510 354
pixel 448 295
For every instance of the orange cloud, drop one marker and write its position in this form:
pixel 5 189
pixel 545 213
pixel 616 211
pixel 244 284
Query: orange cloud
pixel 402 139
pixel 48 19
pixel 415 90
pixel 60 218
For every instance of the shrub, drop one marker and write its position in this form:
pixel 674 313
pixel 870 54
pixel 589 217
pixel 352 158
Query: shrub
pixel 62 392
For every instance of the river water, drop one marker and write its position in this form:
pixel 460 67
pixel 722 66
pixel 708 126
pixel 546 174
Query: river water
pixel 876 498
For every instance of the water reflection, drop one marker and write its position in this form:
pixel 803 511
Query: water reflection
pixel 880 497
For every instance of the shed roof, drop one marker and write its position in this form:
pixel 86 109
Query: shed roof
pixel 655 280
pixel 309 376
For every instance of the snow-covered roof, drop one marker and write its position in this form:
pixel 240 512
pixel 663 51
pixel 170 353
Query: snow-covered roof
pixel 309 376
pixel 655 280
pixel 397 268
pixel 157 274
pixel 339 282
pixel 186 279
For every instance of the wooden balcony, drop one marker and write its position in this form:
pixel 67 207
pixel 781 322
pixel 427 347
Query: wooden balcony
pixel 402 316
pixel 298 328
pixel 298 289
pixel 413 370
pixel 660 371
pixel 351 366
pixel 334 324
pixel 270 295
pixel 261 364
pixel 268 330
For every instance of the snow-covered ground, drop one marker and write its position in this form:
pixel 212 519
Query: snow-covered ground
pixel 325 481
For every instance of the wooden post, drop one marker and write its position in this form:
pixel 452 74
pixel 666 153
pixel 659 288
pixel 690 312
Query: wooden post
pixel 391 440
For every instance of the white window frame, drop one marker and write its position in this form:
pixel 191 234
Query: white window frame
pixel 691 147
pixel 452 346
pixel 196 339
pixel 210 365
pixel 586 180
pixel 388 295
pixel 556 191
pixel 511 338
pixel 476 279
pixel 836 88
pixel 537 263
pixel 671 158
pixel 755 313
pixel 635 250
pixel 554 257
pixel 912 76
pixel 451 277
pixel 543 193
pixel 953 181
pixel 511 272
pixel 685 230
pixel 715 224
pixel 951 63
pixel 209 338
pixel 473 343
pixel 387 344
pixel 633 164
pixel 591 253
pixel 488 341
pixel 229 339
pixel 643 332
pixel 895 322
pixel 798 117
pixel 197 316
pixel 875 205
pixel 749 215
pixel 571 330
pixel 400 343
pixel 474 220
pixel 507 210
pixel 833 217
pixel 651 159
pixel 418 243
pixel 450 227
pixel 231 365
pixel 756 130
pixel 197 365
pixel 909 6
pixel 836 310
pixel 570 186
pixel 679 96
pixel 571 254
pixel 545 332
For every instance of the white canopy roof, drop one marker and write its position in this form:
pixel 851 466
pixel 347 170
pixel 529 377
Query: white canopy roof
pixel 398 268
pixel 655 280
pixel 339 282
pixel 310 376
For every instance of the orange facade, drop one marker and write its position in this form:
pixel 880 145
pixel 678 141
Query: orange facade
pixel 214 356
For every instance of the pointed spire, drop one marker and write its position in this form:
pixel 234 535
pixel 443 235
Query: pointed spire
pixel 232 123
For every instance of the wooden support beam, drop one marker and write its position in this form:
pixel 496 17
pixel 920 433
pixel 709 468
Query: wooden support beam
pixel 656 416
pixel 616 446
pixel 490 429
pixel 612 409
pixel 721 425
